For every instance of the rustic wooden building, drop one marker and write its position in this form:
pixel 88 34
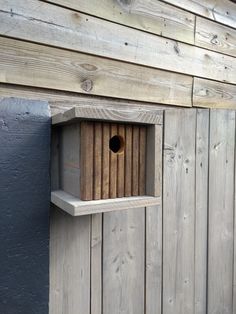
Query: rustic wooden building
pixel 136 62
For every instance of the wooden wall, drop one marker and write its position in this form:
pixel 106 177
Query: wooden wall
pixel 178 258
pixel 178 53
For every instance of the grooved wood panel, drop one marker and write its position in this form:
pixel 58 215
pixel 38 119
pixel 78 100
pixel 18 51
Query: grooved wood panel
pixel 222 11
pixel 211 94
pixel 151 16
pixel 29 64
pixel 122 170
pixel 221 211
pixel 74 31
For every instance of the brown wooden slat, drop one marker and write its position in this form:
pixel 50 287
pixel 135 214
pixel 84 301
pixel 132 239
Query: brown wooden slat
pixel 128 160
pixel 135 161
pixel 121 165
pixel 142 159
pixel 113 166
pixel 97 178
pixel 86 178
pixel 105 160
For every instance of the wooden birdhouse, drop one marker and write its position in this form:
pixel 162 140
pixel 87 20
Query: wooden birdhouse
pixel 107 158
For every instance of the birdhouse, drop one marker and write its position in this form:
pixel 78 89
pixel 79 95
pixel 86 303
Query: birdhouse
pixel 106 158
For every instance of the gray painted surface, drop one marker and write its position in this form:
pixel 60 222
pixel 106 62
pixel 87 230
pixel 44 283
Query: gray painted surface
pixel 24 206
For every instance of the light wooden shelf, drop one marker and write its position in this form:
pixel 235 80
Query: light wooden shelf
pixel 76 207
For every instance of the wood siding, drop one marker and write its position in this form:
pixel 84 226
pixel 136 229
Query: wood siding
pixel 161 51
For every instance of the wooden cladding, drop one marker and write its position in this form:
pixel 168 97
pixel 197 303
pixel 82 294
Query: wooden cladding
pixel 112 160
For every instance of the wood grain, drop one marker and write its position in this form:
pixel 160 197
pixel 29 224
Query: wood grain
pixel 135 161
pixel 105 160
pixel 179 212
pixel 61 30
pixel 121 165
pixel 123 262
pixel 86 160
pixel 96 264
pixel 128 160
pixel 201 214
pixel 210 94
pixel 142 159
pixel 222 11
pixel 97 155
pixel 113 165
pixel 151 16
pixel 153 293
pixel 40 66
pixel 69 264
pixel 221 211
pixel 214 36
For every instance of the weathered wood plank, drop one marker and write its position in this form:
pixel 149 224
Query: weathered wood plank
pixel 201 214
pixel 69 264
pixel 75 31
pixel 222 11
pixel 121 164
pixel 113 165
pixel 221 211
pixel 142 160
pixel 86 160
pixel 179 211
pixel 40 66
pixel 154 160
pixel 210 94
pixel 153 285
pixel 128 160
pixel 123 262
pixel 69 157
pixel 97 189
pixel 76 207
pixel 214 36
pixel 96 264
pixel 150 16
pixel 135 161
pixel 105 160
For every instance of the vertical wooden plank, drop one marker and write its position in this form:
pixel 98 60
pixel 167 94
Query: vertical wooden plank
pixel 179 211
pixel 113 166
pixel 69 264
pixel 221 211
pixel 142 159
pixel 201 215
pixel 86 147
pixel 154 160
pixel 153 260
pixel 96 264
pixel 123 262
pixel 105 160
pixel 234 283
pixel 121 165
pixel 97 177
pixel 135 161
pixel 70 159
pixel 128 160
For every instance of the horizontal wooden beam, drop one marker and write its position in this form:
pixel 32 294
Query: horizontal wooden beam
pixel 152 16
pixel 210 94
pixel 76 31
pixel 214 36
pixel 222 11
pixel 76 207
pixel 41 66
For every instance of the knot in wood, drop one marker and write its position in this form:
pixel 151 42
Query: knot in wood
pixel 87 85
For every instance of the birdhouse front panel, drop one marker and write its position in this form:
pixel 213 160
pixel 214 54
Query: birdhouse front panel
pixel 112 160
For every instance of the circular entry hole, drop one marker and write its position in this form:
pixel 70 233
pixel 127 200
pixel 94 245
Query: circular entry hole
pixel 117 144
